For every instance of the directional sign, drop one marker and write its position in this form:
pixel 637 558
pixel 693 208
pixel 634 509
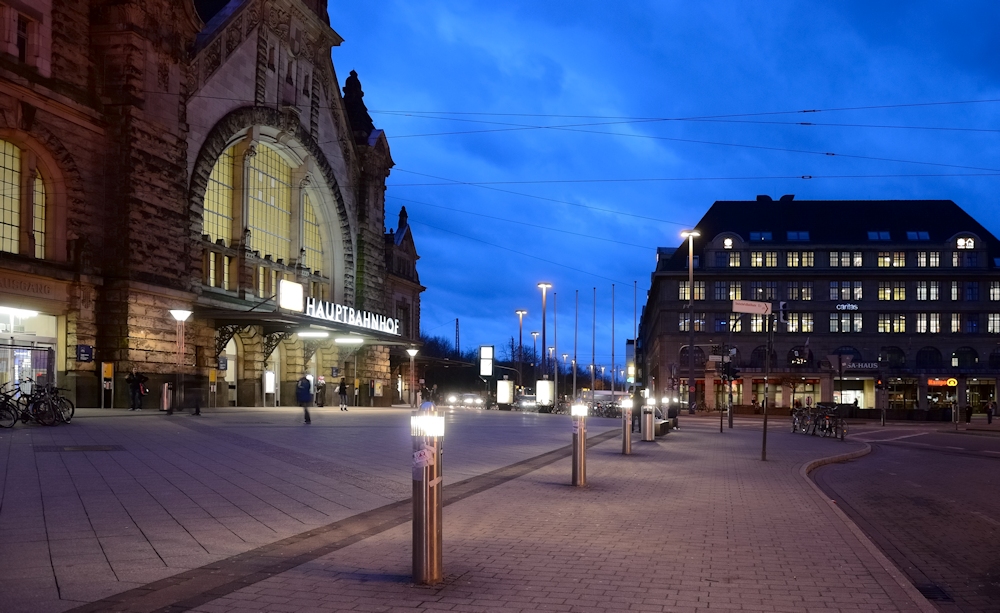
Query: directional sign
pixel 751 306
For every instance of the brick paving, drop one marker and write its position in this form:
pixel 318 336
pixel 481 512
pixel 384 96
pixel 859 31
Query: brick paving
pixel 691 522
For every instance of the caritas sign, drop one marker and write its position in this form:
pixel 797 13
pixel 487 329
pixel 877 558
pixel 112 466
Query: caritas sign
pixel 338 313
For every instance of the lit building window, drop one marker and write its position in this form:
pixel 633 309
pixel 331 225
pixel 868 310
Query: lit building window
pixel 311 241
pixel 38 216
pixel 994 290
pixel 934 324
pixel 10 197
pixel 269 189
pixel 993 323
pixel 898 259
pixel 956 323
pixel 734 259
pixel 770 259
pixel 756 323
pixel 884 259
pixel 756 259
pixel 683 291
pixel 735 322
pixel 218 217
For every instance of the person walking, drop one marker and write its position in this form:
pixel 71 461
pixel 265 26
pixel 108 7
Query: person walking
pixel 342 391
pixel 991 408
pixel 968 413
pixel 303 395
pixel 136 388
pixel 320 391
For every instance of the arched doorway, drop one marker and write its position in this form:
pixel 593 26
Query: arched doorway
pixel 227 395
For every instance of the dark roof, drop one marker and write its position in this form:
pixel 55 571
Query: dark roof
pixel 836 223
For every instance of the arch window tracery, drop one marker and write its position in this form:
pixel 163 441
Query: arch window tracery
pixel 17 204
pixel 269 190
pixel 219 199
pixel 312 242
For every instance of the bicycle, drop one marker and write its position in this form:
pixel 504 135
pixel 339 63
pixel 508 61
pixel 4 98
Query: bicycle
pixel 37 405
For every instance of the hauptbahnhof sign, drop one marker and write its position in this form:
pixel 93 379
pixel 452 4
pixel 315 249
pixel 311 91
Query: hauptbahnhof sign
pixel 290 296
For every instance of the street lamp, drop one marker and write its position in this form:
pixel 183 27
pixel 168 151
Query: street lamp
pixel 520 343
pixel 602 377
pixel 544 287
pixel 690 236
pixel 180 316
pixel 534 351
pixel 412 352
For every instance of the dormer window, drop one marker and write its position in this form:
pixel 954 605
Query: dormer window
pixel 798 236
pixel 965 243
pixel 760 236
pixel 878 236
pixel 918 236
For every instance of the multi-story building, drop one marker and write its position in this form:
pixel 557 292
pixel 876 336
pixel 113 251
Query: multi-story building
pixel 902 293
pixel 403 291
pixel 191 155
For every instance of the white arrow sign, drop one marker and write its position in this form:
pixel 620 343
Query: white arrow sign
pixel 751 306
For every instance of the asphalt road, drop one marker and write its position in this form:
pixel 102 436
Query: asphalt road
pixel 931 501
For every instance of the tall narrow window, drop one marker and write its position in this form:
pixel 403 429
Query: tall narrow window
pixel 22 39
pixel 269 194
pixel 38 216
pixel 311 243
pixel 218 217
pixel 734 259
pixel 10 197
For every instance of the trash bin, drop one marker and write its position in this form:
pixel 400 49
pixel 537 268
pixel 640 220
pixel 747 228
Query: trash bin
pixel 167 399
pixel 647 424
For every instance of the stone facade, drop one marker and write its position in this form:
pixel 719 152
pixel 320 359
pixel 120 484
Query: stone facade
pixel 121 110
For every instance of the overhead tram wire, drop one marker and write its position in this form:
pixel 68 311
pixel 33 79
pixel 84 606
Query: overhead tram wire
pixel 523 223
pixel 534 257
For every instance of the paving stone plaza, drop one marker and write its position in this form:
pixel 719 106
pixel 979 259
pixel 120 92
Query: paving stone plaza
pixel 250 510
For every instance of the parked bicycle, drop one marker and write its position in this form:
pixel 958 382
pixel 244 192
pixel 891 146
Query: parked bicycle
pixel 829 422
pixel 29 401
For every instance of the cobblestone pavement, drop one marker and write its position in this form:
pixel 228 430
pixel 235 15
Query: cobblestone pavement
pixel 117 500
pixel 929 500
pixel 692 522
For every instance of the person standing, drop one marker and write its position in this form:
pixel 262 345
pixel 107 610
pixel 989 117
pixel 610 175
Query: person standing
pixel 320 391
pixel 303 395
pixel 136 388
pixel 968 413
pixel 342 392
pixel 991 408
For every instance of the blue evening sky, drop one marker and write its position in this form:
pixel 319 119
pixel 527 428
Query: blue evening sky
pixel 564 141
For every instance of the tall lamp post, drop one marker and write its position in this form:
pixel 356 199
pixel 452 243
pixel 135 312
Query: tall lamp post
pixel 412 352
pixel 534 351
pixel 690 235
pixel 544 287
pixel 180 316
pixel 520 344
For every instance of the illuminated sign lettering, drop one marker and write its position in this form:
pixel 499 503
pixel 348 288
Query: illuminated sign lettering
pixel 338 313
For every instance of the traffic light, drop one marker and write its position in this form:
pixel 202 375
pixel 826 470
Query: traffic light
pixel 783 312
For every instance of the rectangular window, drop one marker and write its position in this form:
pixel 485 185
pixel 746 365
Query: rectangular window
pixel 972 290
pixel 956 323
pixel 835 322
pixel 808 259
pixel 845 322
pixel 756 323
pixel 683 290
pixel 683 322
pixel 770 259
pixel 700 322
pixel 736 322
pixel 884 323
pixel 899 290
pixel 955 291
pixel 721 290
pixel 800 322
pixel 934 325
pixel 994 290
pixel 972 323
pixel 721 324
pixel 856 318
pixel 721 259
pixel 956 259
pixel 735 290
pixel 921 259
pixel 884 290
pixel 934 259
pixel 898 259
pixel 834 259
pixel 10 197
pixel 857 290
pixel 756 259
pixel 899 323
pixel 22 39
pixel 699 290
pixel 857 259
pixel 269 192
pixel 993 323
pixel 921 323
pixel 771 290
pixel 312 244
pixel 834 290
pixel 921 290
pixel 884 259
pixel 934 290
pixel 734 259
pixel 807 290
pixel 792 259
pixel 756 290
pixel 972 260
pixel 793 291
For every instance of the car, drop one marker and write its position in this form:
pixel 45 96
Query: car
pixel 527 403
pixel 471 400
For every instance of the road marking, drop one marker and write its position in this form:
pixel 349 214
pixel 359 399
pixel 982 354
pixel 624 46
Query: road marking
pixel 987 518
pixel 882 440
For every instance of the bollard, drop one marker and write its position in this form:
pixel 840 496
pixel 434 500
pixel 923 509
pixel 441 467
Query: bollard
pixel 427 430
pixel 648 425
pixel 626 426
pixel 883 416
pixel 579 413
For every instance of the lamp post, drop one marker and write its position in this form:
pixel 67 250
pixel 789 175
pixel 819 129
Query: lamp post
pixel 412 352
pixel 534 352
pixel 690 235
pixel 520 344
pixel 579 413
pixel 180 316
pixel 544 287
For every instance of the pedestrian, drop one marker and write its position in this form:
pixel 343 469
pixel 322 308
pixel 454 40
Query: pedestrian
pixel 137 389
pixel 342 392
pixel 320 391
pixel 991 408
pixel 303 395
pixel 968 413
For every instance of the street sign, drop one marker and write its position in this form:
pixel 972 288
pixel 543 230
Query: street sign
pixel 751 306
pixel 715 358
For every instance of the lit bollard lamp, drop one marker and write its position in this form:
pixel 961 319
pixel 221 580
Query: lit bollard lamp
pixel 579 413
pixel 427 430
pixel 626 426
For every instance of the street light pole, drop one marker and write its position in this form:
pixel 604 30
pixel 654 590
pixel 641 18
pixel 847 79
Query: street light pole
pixel 412 352
pixel 692 386
pixel 180 316
pixel 534 352
pixel 544 287
pixel 555 349
pixel 520 346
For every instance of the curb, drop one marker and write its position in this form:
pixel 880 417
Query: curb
pixel 887 565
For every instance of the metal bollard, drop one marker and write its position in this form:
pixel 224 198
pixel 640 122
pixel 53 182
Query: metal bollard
pixel 626 426
pixel 427 430
pixel 579 413
pixel 648 424
pixel 883 416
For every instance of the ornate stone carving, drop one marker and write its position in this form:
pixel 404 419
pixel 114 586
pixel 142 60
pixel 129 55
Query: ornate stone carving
pixel 271 341
pixel 213 56
pixel 234 35
pixel 223 335
pixel 253 17
pixel 309 347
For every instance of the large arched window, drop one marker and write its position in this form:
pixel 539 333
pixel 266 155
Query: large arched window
pixel 312 244
pixel 269 195
pixel 219 199
pixel 17 204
